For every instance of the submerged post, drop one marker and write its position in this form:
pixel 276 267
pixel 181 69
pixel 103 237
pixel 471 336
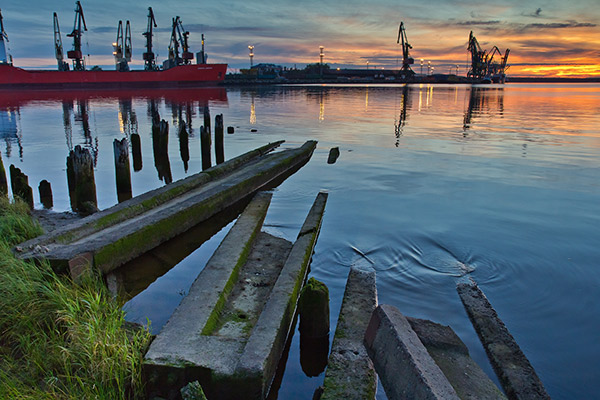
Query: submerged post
pixel 219 146
pixel 3 181
pixel 80 179
pixel 45 190
pixel 20 185
pixel 206 118
pixel 313 307
pixel 184 148
pixel 160 141
pixel 136 152
pixel 122 171
pixel 205 147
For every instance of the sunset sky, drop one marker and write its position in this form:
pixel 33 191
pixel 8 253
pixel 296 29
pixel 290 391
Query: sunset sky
pixel 546 38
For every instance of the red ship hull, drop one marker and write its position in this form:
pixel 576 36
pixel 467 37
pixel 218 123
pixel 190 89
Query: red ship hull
pixel 182 75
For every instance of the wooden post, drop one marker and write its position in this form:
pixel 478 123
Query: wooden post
pixel 80 178
pixel 45 190
pixel 334 153
pixel 205 147
pixel 3 181
pixel 184 148
pixel 122 170
pixel 219 146
pixel 230 130
pixel 136 152
pixel 160 142
pixel 207 119
pixel 20 185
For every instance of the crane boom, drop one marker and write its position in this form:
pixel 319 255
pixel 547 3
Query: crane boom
pixel 76 54
pixel 5 58
pixel 149 58
pixel 128 48
pixel 58 47
pixel 186 55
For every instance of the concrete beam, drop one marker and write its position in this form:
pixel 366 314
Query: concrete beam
pixel 516 374
pixel 164 215
pixel 350 372
pixel 406 369
pixel 452 356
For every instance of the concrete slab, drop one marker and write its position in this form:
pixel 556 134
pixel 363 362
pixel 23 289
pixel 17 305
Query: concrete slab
pixel 452 356
pixel 119 235
pixel 516 374
pixel 350 372
pixel 229 335
pixel 406 369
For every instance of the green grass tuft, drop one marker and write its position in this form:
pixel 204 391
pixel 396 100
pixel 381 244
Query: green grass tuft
pixel 58 339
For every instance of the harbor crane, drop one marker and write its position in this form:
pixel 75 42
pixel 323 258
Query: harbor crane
pixel 122 47
pixel 58 47
pixel 149 58
pixel 5 58
pixel 407 60
pixel 76 55
pixel 483 66
pixel 179 38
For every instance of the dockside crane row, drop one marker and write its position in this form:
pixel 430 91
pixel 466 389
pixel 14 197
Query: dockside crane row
pixel 179 38
pixel 407 60
pixel 149 58
pixel 76 55
pixel 483 66
pixel 122 47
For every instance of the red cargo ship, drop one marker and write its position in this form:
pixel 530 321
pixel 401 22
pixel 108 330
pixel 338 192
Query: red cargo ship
pixel 181 75
pixel 177 70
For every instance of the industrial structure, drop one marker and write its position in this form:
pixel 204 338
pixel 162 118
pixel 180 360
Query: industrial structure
pixel 5 58
pixel 76 54
pixel 407 60
pixel 484 68
pixel 122 47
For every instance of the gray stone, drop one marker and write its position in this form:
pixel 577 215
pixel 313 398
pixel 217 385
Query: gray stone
pixel 516 374
pixel 350 373
pixel 406 369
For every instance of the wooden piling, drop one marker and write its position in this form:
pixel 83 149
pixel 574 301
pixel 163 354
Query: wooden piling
pixel 205 147
pixel 81 182
pixel 207 119
pixel 184 148
pixel 219 146
pixel 160 141
pixel 20 185
pixel 313 308
pixel 230 129
pixel 334 153
pixel 3 181
pixel 122 171
pixel 136 152
pixel 45 190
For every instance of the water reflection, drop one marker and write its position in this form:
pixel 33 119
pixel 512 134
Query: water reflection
pixel 483 101
pixel 400 120
pixel 9 130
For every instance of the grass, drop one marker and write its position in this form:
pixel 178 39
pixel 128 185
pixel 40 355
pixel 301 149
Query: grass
pixel 58 339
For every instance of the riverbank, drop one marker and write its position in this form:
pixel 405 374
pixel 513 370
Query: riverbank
pixel 60 340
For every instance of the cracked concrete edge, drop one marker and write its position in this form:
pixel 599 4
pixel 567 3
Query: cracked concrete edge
pixel 259 360
pixel 515 372
pixel 350 372
pixel 396 352
pixel 200 306
pixel 85 226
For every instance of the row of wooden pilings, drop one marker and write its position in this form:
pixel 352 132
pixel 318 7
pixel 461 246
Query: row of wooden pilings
pixel 80 165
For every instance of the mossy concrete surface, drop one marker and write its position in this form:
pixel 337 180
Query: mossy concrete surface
pixel 350 374
pixel 165 214
pixel 229 332
pixel 516 374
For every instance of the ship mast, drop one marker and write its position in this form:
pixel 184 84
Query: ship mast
pixel 5 58
pixel 149 60
pixel 76 55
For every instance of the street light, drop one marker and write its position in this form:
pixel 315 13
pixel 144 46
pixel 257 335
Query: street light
pixel 428 67
pixel 367 64
pixel 251 50
pixel 321 55
pixel 422 66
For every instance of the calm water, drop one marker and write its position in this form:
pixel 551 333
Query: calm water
pixel 434 184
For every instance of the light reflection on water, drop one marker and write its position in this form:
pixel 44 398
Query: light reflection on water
pixel 434 184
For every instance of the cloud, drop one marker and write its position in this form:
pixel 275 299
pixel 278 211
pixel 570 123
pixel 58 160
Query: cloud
pixel 560 25
pixel 475 22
